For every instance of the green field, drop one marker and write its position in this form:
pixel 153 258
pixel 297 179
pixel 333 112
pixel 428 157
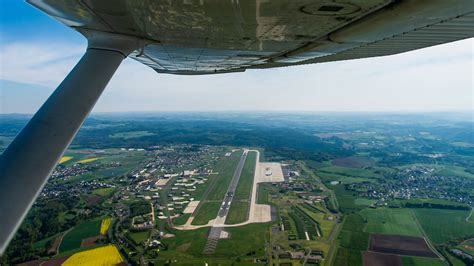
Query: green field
pixel 237 212
pixel 420 261
pixel 104 192
pixel 364 202
pixel 73 238
pixel 226 168
pixel 244 240
pixel 263 193
pixel 471 216
pixel 431 203
pixel 352 241
pixel 455 261
pixel 350 172
pixel 444 225
pixel 84 177
pixel 244 187
pixel 345 198
pixel 391 221
pixel 451 170
pixel 42 243
pixel 185 244
pixel 207 211
pixel 131 134
pixel 344 179
pixel 139 237
pixel 139 207
pixel 201 189
pixel 128 161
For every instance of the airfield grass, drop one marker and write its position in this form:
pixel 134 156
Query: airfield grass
pixel 201 189
pixel 421 261
pixel 263 193
pixel 247 239
pixel 182 219
pixel 443 225
pixel 185 244
pixel 73 238
pixel 238 212
pixel 391 221
pixel 207 211
pixel 225 167
pixel 139 237
pixel 244 187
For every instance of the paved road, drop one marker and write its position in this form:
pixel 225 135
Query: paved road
pixel 224 209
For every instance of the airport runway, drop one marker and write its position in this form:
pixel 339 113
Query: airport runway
pixel 224 209
pixel 215 231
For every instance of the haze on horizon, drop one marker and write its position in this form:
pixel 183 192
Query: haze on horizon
pixel 36 53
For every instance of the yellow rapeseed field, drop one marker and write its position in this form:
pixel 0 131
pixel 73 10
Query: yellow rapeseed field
pixel 88 160
pixel 65 159
pixel 104 226
pixel 107 255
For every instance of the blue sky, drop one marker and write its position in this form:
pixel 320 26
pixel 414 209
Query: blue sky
pixel 37 52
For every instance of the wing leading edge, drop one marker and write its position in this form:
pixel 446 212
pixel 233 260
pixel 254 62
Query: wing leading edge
pixel 214 36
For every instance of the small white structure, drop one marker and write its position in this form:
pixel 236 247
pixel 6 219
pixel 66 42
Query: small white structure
pixel 268 171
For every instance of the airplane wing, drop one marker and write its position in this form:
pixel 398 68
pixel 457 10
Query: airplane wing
pixel 206 37
pixel 218 36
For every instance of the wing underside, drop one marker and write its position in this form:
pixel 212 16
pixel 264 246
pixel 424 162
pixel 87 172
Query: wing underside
pixel 219 36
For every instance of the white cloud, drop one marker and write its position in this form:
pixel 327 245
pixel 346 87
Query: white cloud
pixel 38 63
pixel 436 78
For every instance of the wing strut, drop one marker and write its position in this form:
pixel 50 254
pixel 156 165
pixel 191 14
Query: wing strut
pixel 29 160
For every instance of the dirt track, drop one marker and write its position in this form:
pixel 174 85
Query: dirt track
pixel 400 245
pixel 379 259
